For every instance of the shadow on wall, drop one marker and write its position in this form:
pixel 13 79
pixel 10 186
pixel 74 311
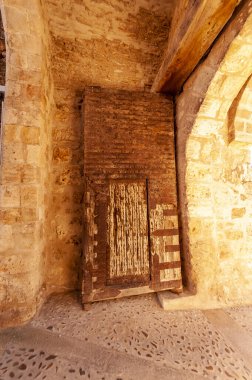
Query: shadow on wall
pixel 239 122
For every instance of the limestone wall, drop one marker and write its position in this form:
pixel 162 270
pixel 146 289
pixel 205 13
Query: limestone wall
pixel 24 150
pixel 53 52
pixel 214 183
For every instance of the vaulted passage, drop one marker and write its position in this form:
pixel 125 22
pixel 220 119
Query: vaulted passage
pixel 125 152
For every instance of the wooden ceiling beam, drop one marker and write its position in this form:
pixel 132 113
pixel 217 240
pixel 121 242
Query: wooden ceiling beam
pixel 194 27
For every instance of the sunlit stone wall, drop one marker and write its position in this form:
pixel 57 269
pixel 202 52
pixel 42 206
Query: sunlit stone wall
pixel 25 141
pixel 214 173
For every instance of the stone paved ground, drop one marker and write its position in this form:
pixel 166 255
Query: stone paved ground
pixel 128 339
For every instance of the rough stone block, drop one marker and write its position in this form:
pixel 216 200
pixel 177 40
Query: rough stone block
pixel 30 135
pixel 11 173
pixel 29 214
pixel 10 196
pixel 200 172
pixel 17 18
pixel 238 212
pixel 33 154
pixel 24 242
pixel 11 133
pixel 29 196
pixel 10 215
pixel 62 154
pixel 193 149
pixel 234 234
pixel 204 127
pixel 13 152
pixel 30 174
pixel 70 176
pixel 22 260
pixel 27 42
pixel 6 238
pixel 21 288
pixel 243 54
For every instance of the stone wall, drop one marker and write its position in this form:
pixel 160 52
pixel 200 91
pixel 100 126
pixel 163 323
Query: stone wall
pixel 114 44
pixel 214 187
pixel 24 148
pixel 53 53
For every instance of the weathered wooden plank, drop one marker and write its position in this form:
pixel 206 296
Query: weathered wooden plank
pixel 120 292
pixel 172 248
pixel 170 265
pixel 166 232
pixel 128 230
pixel 195 25
pixel 172 212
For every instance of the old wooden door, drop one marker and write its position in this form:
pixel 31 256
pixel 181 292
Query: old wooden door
pixel 128 238
pixel 131 242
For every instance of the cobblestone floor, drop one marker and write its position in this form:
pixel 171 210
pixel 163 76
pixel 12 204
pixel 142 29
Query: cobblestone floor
pixel 127 339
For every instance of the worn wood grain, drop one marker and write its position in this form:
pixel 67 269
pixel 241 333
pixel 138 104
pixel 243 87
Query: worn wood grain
pixel 128 230
pixel 195 25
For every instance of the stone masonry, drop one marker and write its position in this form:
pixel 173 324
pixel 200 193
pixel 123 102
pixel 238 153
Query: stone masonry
pixel 54 49
pixel 214 182
pixel 24 152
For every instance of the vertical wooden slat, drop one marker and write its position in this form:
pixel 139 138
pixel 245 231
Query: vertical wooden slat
pixel 128 229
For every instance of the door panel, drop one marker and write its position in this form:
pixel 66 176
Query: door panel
pixel 131 235
pixel 128 244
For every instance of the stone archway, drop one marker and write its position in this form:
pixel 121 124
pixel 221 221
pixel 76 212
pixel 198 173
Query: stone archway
pixel 215 201
pixel 23 160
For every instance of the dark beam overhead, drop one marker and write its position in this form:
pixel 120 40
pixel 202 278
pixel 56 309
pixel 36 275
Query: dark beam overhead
pixel 194 27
